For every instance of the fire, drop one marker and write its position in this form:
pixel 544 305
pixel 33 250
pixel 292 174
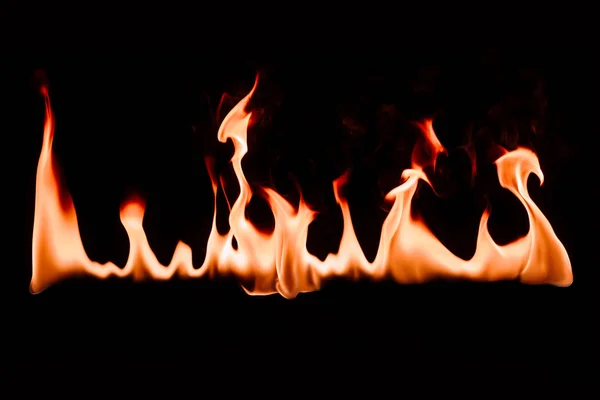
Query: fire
pixel 279 261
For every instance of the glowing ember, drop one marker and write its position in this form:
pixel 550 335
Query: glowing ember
pixel 280 261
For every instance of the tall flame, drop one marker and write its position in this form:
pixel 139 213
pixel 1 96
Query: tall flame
pixel 279 261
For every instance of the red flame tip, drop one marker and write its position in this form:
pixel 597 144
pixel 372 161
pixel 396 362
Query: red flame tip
pixel 134 206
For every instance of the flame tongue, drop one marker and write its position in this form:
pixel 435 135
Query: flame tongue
pixel 279 261
pixel 548 258
pixel 428 147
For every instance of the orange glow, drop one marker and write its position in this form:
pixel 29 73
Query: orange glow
pixel 279 261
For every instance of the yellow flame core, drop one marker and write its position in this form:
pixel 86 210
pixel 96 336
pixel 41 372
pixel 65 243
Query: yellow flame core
pixel 279 262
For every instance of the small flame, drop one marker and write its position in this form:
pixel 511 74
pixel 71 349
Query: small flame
pixel 279 262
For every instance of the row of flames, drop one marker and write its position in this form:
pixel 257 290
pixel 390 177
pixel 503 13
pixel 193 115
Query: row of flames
pixel 279 261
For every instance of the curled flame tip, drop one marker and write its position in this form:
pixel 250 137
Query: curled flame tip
pixel 32 289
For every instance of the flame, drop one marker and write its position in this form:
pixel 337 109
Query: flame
pixel 279 261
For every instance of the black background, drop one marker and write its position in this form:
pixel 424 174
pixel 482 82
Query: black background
pixel 137 112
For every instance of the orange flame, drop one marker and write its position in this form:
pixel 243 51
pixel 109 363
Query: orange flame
pixel 279 261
